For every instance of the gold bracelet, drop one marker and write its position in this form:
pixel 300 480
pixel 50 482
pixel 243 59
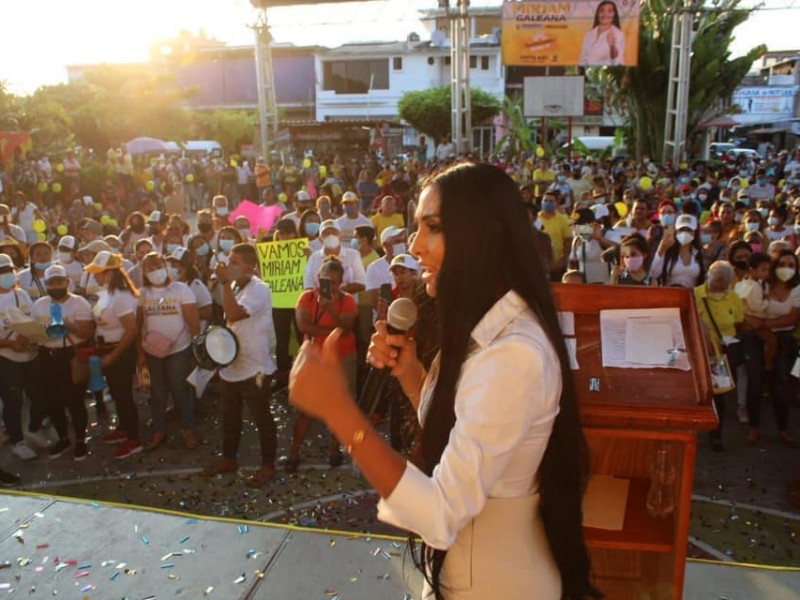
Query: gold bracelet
pixel 358 438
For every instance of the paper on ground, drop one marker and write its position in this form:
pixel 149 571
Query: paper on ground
pixel 604 502
pixel 199 379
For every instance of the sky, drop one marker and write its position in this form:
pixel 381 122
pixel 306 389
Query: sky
pixel 41 37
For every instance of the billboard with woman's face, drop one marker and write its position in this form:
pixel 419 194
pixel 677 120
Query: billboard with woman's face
pixel 571 33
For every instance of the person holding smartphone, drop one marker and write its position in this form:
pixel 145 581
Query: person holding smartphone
pixel 319 312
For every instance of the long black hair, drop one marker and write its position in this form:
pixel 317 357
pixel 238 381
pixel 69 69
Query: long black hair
pixel 489 240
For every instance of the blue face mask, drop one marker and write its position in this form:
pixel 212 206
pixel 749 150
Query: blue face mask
pixel 312 229
pixel 171 248
pixel 705 238
pixel 7 280
pixel 225 245
pixel 561 178
pixel 202 250
pixel 354 244
pixel 667 220
pixel 548 207
pixel 761 182
pixel 43 266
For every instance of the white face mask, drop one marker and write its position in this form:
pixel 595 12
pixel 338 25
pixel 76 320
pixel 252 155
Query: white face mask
pixel 685 238
pixel 398 249
pixel 331 242
pixel 221 210
pixel 65 258
pixel 784 273
pixel 157 277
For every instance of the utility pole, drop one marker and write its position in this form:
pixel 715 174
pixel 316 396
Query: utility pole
pixel 680 65
pixel 267 105
pixel 460 96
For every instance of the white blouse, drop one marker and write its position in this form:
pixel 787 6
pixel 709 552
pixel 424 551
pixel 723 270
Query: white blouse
pixel 506 402
pixel 681 275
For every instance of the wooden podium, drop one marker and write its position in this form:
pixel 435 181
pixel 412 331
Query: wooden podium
pixel 634 413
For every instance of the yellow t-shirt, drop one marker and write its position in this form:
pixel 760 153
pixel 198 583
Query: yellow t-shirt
pixel 727 313
pixel 379 222
pixel 558 230
pixel 547 176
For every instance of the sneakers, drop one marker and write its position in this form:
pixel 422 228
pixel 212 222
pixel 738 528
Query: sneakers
pixel 741 413
pixel 128 448
pixel 80 452
pixel 116 437
pixel 23 451
pixel 8 479
pixel 60 448
pixel 39 439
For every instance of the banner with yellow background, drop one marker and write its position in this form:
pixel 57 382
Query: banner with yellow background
pixel 282 265
pixel 565 34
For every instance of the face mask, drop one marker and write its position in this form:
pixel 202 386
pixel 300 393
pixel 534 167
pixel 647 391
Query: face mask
pixel 774 221
pixel 157 277
pixel 633 263
pixel 751 226
pixel 331 242
pixel 203 250
pixel 715 295
pixel 225 245
pixel 245 231
pixel 756 247
pixel 43 266
pixel 737 218
pixel 600 200
pixel 173 273
pixel 204 227
pixel 7 280
pixel 561 179
pixel 784 273
pixel 702 197
pixel 705 238
pixel 548 207
pixel 745 200
pixel 761 181
pixel 65 258
pixel 312 229
pixel 740 264
pixel 684 238
pixel 57 293
pixel 398 249
pixel 221 210
pixel 764 212
pixel 171 248
pixel 667 220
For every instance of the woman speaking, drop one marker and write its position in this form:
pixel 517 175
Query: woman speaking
pixel 604 44
pixel 496 492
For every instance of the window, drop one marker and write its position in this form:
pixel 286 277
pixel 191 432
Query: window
pixel 446 61
pixel 355 76
pixel 397 63
pixel 484 63
pixel 473 62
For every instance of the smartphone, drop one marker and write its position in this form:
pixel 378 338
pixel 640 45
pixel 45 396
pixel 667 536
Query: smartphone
pixel 325 288
pixel 386 293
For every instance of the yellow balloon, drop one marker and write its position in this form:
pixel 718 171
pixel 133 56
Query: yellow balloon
pixel 42 187
pixel 42 237
pixel 379 181
pixel 98 206
pixel 39 226
pixel 104 220
pixel 234 164
pixel 189 178
pixel 282 197
pixel 682 166
pixel 62 230
pixel 57 188
pixel 60 168
pixel 539 152
pixel 645 183
pixel 622 209
pixel 307 163
pixel 323 172
pixel 113 222
pixel 150 186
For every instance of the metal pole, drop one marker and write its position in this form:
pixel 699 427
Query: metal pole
pixel 460 97
pixel 260 31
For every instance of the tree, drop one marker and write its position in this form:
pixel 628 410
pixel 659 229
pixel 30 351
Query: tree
pixel 231 128
pixel 639 93
pixel 428 111
pixel 518 137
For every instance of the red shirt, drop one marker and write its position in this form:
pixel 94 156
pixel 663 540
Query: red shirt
pixel 344 304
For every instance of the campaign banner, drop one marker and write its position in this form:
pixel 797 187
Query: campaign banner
pixel 765 104
pixel 554 33
pixel 282 265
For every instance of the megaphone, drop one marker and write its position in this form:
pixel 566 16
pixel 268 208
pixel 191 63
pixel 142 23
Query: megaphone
pixel 97 382
pixel 56 329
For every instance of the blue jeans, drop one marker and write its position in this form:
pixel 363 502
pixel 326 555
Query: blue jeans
pixel 168 376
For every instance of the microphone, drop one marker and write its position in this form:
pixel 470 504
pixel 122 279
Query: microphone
pixel 400 318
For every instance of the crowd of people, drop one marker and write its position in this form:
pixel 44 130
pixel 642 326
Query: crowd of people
pixel 137 282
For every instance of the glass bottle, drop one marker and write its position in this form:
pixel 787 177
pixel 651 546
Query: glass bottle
pixel 661 495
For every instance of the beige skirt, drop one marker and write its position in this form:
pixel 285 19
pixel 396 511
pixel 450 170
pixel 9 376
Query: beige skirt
pixel 501 553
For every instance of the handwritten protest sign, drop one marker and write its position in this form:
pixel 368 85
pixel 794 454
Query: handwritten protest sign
pixel 282 265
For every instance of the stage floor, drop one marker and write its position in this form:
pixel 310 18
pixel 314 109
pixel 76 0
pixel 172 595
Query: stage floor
pixel 79 549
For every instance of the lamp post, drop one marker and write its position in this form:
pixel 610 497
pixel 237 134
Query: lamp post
pixel 267 105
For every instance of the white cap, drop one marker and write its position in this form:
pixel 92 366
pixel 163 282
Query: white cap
pixel 599 210
pixel 329 224
pixel 302 196
pixel 686 221
pixel 88 200
pixel 391 232
pixel 67 241
pixel 155 217
pixel 178 253
pixel 404 260
pixel 55 271
pixel 5 261
pixel 350 197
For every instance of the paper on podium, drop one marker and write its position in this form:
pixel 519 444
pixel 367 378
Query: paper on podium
pixel 604 502
pixel 643 339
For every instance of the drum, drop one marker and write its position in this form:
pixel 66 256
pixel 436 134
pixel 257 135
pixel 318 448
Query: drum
pixel 215 348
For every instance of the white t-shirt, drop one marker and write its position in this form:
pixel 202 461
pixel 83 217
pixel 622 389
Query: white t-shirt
pixel 27 216
pixel 108 311
pixel 20 300
pixel 89 283
pixel 74 307
pixel 776 309
pixel 35 286
pixel 74 271
pixel 202 297
pixel 255 333
pixel 378 274
pixel 587 255
pixel 348 226
pixel 162 308
pixel 351 261
pixel 16 232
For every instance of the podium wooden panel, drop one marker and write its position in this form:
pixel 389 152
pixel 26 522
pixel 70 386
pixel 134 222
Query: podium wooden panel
pixel 633 414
